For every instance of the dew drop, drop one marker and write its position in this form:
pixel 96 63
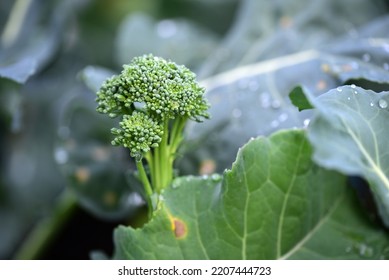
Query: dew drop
pixel 216 177
pixel 265 100
pixel 175 185
pixel 354 65
pixel 366 57
pixel 339 89
pixel 138 157
pixel 383 104
pixel 349 98
pixel 253 85
pixel 355 92
pixel 371 104
pixel 276 104
pixel 386 48
pixel 353 86
pixel 274 124
pixel 283 117
pixel 61 155
pixel 236 113
pixel 306 122
pixel 365 251
pixel 243 84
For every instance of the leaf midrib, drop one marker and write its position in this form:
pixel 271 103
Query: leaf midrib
pixel 314 229
pixel 285 202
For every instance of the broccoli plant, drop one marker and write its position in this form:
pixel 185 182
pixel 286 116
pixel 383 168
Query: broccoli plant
pixel 154 98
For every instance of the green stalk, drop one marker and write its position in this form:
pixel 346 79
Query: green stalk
pixel 146 184
pixel 177 137
pixel 45 231
pixel 149 159
pixel 157 169
pixel 164 163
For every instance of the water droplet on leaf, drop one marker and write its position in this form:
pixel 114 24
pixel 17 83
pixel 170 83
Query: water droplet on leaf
pixel 216 177
pixel 283 117
pixel 383 104
pixel 365 251
pixel 274 124
pixel 253 85
pixel 306 122
pixel 61 155
pixel 339 89
pixel 236 113
pixel 366 57
pixel 265 100
pixel 243 84
pixel 276 104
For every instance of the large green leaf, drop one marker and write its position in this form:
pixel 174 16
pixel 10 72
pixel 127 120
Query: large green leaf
pixel 350 134
pixel 274 203
pixel 268 29
pixel 177 39
pixel 32 36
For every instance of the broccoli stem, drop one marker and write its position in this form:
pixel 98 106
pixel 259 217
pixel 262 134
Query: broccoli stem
pixel 146 184
pixel 161 159
pixel 177 134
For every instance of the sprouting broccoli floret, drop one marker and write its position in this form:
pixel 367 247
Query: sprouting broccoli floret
pixel 154 98
pixel 138 132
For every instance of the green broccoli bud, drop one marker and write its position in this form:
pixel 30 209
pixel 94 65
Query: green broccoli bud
pixel 113 97
pixel 168 90
pixel 138 132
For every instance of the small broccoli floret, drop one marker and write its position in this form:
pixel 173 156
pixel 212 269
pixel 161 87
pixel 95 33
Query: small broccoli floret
pixel 138 132
pixel 113 97
pixel 154 98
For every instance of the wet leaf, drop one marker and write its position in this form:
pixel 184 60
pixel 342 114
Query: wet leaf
pixel 349 134
pixel 286 27
pixel 27 45
pixel 180 40
pixel 102 187
pixel 274 203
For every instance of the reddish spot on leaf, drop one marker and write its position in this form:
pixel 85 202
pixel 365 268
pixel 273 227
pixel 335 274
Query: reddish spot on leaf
pixel 180 229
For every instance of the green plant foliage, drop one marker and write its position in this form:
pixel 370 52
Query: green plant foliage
pixel 274 203
pixel 180 40
pixel 349 134
pixel 299 99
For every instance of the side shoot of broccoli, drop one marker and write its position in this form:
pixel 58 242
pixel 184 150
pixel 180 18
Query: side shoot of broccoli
pixel 154 99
